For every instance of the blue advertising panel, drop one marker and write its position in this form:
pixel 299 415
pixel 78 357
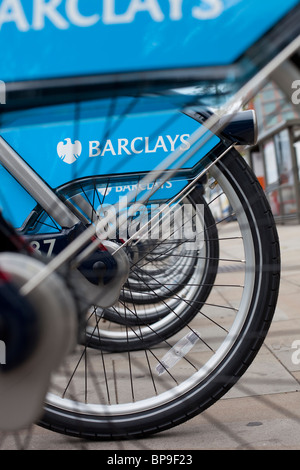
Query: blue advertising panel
pixel 50 39
pixel 67 142
pixel 61 38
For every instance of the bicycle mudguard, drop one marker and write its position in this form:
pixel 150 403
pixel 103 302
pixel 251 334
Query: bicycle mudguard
pixel 135 145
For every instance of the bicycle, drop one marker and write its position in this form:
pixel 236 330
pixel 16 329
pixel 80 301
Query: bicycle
pixel 171 321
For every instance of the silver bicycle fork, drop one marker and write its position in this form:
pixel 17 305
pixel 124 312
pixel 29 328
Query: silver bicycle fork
pixel 35 186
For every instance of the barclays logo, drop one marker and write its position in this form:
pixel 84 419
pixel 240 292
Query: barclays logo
pixel 69 152
pixel 105 191
pixel 35 14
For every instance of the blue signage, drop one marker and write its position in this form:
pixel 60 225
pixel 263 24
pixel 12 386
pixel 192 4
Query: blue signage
pixel 61 38
pixel 67 142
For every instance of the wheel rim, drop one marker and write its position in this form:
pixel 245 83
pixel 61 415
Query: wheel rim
pixel 144 404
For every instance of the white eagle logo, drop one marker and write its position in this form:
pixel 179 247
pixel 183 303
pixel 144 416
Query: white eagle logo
pixel 104 191
pixel 68 151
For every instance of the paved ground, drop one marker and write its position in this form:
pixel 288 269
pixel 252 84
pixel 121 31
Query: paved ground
pixel 261 412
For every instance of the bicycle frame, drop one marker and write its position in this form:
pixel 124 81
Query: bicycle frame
pixel 35 186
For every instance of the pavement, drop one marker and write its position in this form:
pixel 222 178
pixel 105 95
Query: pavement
pixel 262 412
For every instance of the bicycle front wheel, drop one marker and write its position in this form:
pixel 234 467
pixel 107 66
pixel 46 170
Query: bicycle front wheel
pixel 113 395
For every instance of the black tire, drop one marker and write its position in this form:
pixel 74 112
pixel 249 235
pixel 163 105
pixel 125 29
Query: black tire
pixel 197 385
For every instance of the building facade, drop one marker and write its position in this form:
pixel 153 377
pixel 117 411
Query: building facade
pixel 276 157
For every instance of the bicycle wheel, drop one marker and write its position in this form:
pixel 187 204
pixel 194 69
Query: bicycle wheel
pixel 162 269
pixel 112 395
pixel 163 272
